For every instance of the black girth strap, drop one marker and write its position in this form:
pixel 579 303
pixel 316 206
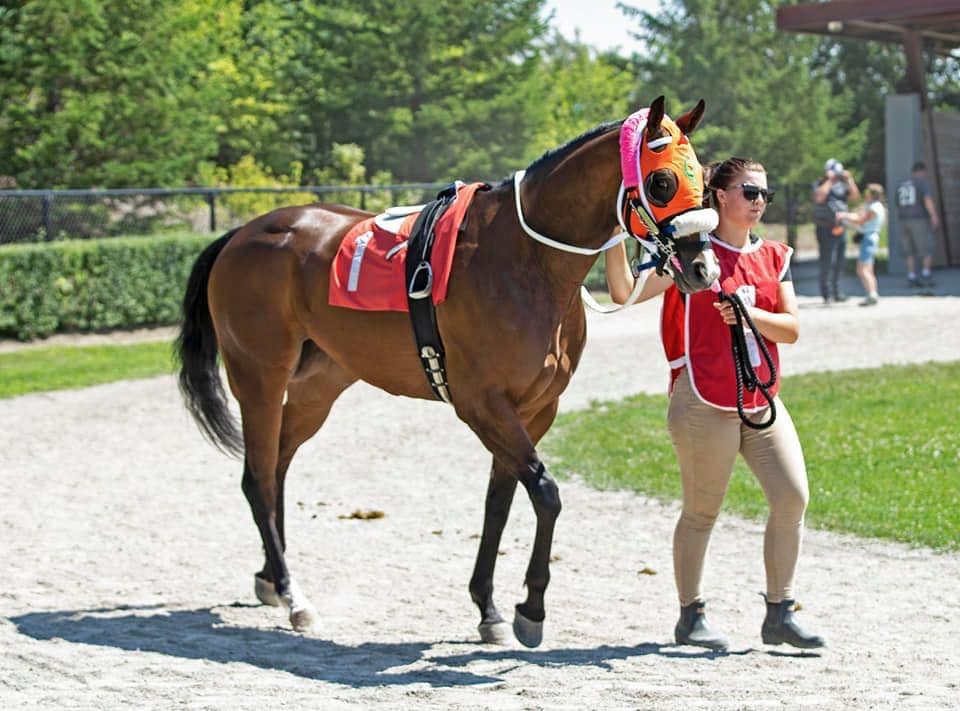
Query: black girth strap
pixel 419 275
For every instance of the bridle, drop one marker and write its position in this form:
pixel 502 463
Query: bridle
pixel 653 247
pixel 662 238
pixel 662 243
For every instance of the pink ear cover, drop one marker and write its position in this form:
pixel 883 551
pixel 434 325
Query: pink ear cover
pixel 631 133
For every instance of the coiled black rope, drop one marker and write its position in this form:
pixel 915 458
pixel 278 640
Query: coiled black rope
pixel 746 375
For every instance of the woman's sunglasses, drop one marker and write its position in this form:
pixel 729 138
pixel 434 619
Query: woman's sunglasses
pixel 752 192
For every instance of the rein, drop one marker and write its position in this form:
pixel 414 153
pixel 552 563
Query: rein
pixel 543 239
pixel 661 248
pixel 588 251
pixel 746 375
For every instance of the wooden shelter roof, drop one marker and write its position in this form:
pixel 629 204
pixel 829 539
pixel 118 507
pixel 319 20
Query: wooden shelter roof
pixel 935 22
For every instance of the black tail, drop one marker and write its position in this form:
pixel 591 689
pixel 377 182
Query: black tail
pixel 196 350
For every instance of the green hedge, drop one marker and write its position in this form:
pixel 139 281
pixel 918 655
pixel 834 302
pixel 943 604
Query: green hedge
pixel 88 285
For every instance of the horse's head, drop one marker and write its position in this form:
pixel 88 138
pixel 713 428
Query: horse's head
pixel 663 181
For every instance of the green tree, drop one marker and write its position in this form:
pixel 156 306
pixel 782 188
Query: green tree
pixel 762 98
pixel 111 94
pixel 574 89
pixel 257 117
pixel 866 73
pixel 431 89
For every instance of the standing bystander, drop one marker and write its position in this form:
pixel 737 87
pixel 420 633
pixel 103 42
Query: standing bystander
pixel 918 219
pixel 868 221
pixel 830 196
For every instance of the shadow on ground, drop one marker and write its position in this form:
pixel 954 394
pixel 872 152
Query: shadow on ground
pixel 806 278
pixel 201 634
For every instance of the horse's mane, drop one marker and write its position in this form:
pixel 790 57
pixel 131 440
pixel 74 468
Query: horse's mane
pixel 556 154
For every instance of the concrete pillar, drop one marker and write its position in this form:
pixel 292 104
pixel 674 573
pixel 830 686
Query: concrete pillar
pixel 903 136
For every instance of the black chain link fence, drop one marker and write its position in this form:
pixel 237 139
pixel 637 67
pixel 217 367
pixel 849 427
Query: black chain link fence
pixel 45 215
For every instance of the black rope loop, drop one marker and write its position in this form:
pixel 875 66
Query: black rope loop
pixel 746 375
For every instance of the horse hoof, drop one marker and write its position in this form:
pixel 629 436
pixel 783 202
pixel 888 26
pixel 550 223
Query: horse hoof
pixel 527 632
pixel 265 591
pixel 494 632
pixel 303 619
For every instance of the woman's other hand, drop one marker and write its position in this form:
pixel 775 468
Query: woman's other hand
pixel 727 313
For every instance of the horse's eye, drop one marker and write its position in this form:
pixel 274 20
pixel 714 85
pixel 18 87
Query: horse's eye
pixel 661 187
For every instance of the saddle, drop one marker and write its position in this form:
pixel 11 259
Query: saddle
pixel 401 260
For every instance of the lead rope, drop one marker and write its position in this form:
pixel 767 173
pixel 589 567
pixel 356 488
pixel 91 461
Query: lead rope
pixel 746 375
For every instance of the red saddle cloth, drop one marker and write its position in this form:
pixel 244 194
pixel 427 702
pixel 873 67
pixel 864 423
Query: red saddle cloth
pixel 369 270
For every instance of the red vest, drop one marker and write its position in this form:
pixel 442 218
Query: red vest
pixel 695 336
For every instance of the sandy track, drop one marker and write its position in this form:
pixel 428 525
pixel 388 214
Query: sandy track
pixel 129 553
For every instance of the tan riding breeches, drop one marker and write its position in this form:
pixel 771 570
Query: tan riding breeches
pixel 707 441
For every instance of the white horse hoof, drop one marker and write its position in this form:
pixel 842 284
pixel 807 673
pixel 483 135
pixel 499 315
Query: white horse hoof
pixel 303 619
pixel 494 632
pixel 527 632
pixel 303 615
pixel 266 592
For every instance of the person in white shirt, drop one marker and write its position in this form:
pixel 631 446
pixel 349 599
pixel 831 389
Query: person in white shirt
pixel 868 222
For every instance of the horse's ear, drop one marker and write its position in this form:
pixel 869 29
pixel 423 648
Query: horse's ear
pixel 654 118
pixel 690 120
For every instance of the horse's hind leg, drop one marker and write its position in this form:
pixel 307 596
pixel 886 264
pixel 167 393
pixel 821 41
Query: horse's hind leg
pixel 259 389
pixel 309 400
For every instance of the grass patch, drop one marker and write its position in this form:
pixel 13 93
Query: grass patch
pixel 882 448
pixel 882 445
pixel 31 370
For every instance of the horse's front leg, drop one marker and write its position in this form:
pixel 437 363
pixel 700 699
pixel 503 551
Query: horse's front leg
pixel 500 492
pixel 500 428
pixel 545 497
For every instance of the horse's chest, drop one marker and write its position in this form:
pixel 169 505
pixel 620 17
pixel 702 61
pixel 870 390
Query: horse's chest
pixel 552 377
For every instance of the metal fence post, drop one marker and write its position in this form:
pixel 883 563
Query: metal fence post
pixel 47 217
pixel 791 217
pixel 211 201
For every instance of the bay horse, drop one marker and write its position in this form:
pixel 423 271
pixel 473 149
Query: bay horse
pixel 512 324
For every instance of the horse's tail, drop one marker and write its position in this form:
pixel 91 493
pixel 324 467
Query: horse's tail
pixel 196 350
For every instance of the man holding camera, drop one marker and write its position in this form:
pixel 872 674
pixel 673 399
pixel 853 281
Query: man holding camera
pixel 830 197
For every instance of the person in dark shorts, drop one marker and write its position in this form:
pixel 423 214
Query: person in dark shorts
pixel 918 220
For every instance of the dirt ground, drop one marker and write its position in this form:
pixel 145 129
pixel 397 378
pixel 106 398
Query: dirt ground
pixel 129 551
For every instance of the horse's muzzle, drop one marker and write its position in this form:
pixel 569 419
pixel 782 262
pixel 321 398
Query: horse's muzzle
pixel 698 273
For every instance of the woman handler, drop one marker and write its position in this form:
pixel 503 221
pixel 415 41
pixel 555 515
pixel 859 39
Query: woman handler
pixel 704 424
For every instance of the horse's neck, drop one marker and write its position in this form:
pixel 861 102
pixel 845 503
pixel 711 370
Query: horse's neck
pixel 560 203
